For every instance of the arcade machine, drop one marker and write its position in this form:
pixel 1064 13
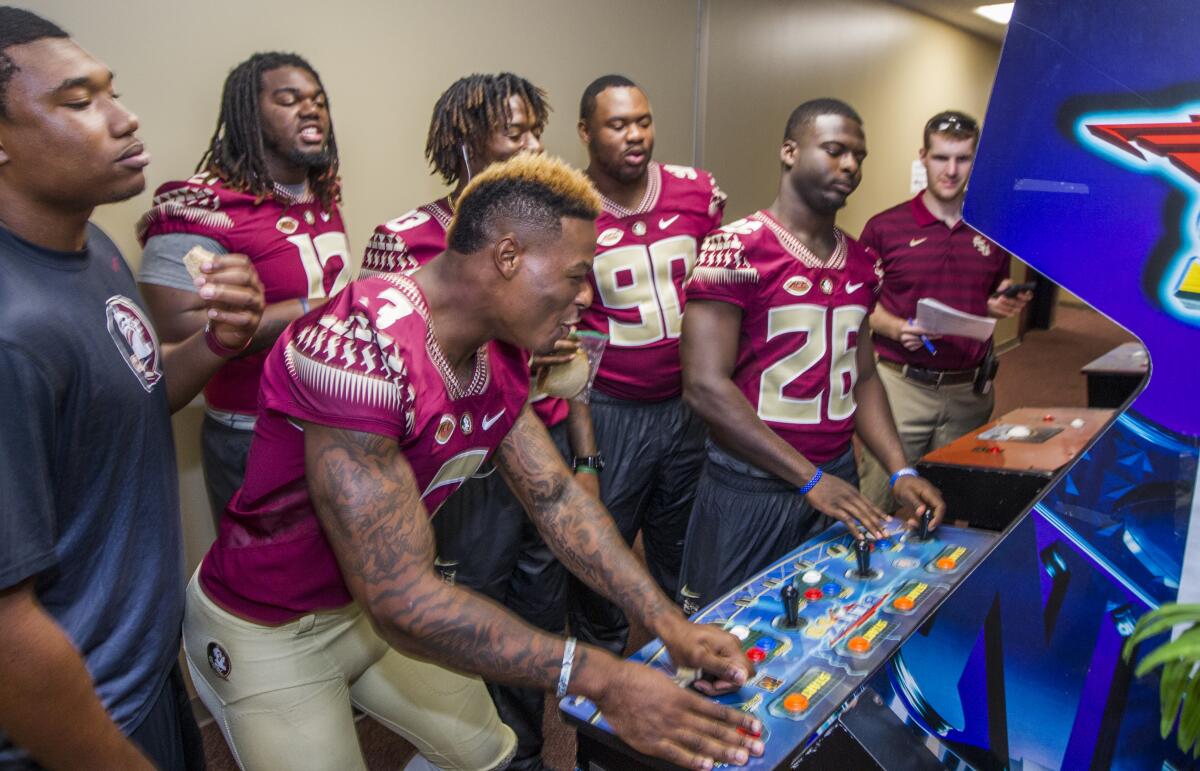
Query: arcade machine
pixel 1088 169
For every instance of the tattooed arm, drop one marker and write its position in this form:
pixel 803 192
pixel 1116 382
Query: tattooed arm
pixel 577 528
pixel 370 509
pixel 582 535
pixel 367 500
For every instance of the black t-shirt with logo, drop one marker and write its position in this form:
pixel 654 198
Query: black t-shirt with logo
pixel 89 500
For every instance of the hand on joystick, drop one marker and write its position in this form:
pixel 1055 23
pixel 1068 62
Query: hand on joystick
pixel 924 531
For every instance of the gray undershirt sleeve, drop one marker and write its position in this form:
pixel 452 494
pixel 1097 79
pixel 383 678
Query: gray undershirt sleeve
pixel 162 259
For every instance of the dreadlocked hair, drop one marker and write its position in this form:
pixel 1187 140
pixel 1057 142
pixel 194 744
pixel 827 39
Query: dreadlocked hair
pixel 236 154
pixel 472 109
pixel 534 190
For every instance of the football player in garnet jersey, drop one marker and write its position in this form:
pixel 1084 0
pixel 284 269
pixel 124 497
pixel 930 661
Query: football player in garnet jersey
pixel 653 218
pixel 777 358
pixel 479 120
pixel 375 408
pixel 267 188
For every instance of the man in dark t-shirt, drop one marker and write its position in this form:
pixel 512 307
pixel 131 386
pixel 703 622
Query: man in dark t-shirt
pixel 91 557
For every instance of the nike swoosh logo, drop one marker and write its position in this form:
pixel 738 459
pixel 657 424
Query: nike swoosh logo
pixel 918 241
pixel 853 287
pixel 666 222
pixel 490 420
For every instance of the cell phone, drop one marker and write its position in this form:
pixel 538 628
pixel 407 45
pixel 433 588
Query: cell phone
pixel 1016 289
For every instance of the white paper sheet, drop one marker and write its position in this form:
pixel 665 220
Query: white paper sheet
pixel 937 318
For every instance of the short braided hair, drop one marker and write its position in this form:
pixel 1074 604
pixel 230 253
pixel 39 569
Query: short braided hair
pixel 472 109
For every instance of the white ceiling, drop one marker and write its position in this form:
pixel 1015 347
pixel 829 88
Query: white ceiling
pixel 960 13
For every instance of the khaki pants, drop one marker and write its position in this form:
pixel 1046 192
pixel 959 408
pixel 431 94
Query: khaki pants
pixel 926 418
pixel 282 694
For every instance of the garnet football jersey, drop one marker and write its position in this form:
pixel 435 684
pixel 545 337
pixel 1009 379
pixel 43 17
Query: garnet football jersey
pixel 800 323
pixel 406 243
pixel 298 248
pixel 367 361
pixel 643 257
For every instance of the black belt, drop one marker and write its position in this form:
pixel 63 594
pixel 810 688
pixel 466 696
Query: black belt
pixel 933 377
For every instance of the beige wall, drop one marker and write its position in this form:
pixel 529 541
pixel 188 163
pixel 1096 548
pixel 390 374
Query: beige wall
pixel 895 67
pixel 384 64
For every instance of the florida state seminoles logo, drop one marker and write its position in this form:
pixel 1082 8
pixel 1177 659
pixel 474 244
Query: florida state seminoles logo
pixel 135 339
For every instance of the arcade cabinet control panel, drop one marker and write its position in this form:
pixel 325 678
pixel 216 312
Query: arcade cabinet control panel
pixel 816 625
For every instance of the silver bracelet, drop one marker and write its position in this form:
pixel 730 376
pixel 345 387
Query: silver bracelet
pixel 303 305
pixel 564 673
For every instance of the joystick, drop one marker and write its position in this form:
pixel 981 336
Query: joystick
pixel 863 554
pixel 791 605
pixel 923 533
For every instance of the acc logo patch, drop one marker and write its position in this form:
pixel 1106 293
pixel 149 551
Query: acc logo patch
pixel 797 285
pixel 287 225
pixel 218 661
pixel 610 237
pixel 982 245
pixel 445 429
pixel 135 339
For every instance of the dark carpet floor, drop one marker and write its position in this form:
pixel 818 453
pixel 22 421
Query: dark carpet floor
pixel 1043 371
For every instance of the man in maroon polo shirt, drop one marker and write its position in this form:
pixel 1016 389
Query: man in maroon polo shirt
pixel 935 385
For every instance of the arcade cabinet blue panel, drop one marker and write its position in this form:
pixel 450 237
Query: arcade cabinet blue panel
pixel 1088 170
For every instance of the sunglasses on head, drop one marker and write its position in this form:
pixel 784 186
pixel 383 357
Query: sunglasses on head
pixel 952 123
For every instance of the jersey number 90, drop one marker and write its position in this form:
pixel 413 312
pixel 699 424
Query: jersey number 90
pixel 647 285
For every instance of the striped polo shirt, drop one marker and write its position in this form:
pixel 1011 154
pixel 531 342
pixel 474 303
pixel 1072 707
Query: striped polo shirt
pixel 922 257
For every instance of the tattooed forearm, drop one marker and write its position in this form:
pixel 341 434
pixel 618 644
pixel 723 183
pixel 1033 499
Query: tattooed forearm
pixel 367 500
pixel 575 525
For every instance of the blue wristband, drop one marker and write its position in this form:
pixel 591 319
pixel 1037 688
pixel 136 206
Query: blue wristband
pixel 907 471
pixel 811 483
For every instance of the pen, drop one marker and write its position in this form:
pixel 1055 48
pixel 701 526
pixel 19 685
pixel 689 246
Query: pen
pixel 925 341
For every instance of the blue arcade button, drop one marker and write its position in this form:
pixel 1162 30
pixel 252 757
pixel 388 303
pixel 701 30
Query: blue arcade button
pixel 766 643
pixel 831 590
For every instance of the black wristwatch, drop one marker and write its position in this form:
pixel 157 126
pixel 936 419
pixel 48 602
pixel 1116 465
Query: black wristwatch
pixel 593 462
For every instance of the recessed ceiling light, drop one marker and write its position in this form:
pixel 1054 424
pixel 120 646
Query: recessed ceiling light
pixel 998 12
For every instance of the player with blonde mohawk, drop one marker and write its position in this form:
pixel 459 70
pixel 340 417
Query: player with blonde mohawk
pixel 321 591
